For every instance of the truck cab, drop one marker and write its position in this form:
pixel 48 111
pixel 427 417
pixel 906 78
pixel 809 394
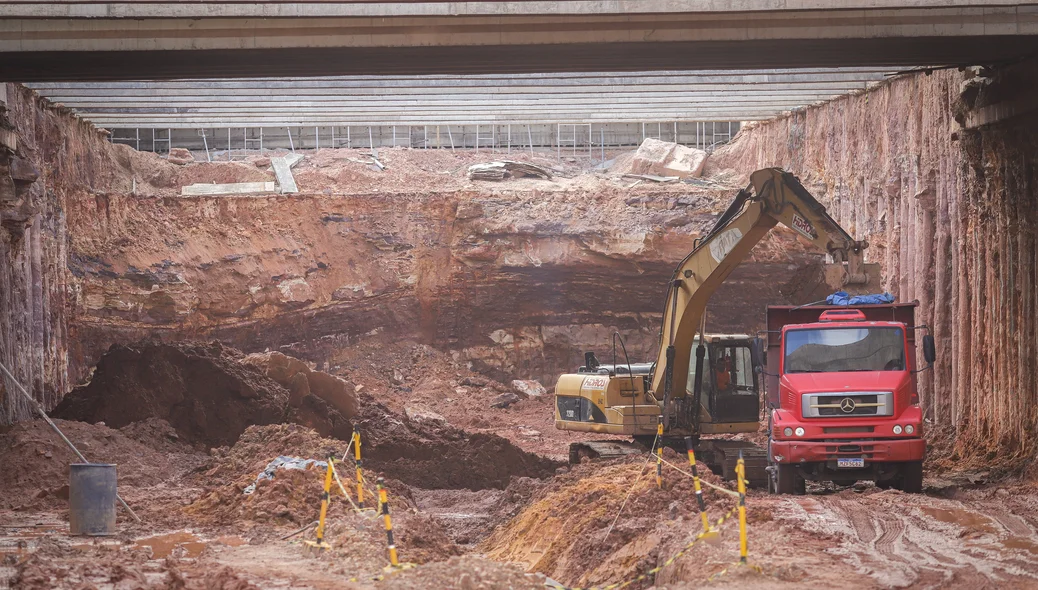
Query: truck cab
pixel 841 390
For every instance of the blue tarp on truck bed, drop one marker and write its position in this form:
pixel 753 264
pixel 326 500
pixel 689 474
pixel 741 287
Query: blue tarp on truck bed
pixel 843 298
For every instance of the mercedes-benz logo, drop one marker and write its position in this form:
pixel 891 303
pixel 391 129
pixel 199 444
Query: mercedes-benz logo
pixel 847 405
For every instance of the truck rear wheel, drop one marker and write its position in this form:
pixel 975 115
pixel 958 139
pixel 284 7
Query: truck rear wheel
pixel 912 477
pixel 788 480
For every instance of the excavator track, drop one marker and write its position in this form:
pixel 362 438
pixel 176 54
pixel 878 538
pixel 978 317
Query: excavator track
pixel 603 450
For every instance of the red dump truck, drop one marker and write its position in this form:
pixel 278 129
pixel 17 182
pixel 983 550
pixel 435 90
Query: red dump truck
pixel 841 394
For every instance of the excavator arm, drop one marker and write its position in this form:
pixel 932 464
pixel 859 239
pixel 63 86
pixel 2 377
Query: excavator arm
pixel 773 196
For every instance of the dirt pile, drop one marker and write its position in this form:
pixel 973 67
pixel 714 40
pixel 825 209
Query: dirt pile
pixel 563 531
pixel 292 497
pixel 209 392
pixel 321 401
pixel 204 391
pixel 408 376
pixel 432 454
pixel 36 461
pixel 288 498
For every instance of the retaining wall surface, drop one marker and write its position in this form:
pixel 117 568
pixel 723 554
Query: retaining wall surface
pixel 950 215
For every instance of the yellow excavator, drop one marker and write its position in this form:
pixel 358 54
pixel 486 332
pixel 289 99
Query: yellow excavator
pixel 705 385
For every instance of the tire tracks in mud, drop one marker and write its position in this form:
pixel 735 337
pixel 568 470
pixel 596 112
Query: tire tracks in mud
pixel 921 541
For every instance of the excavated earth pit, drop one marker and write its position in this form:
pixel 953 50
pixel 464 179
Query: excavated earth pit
pixel 211 335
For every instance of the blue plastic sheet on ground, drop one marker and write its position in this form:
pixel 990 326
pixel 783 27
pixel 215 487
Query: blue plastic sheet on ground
pixel 284 462
pixel 843 298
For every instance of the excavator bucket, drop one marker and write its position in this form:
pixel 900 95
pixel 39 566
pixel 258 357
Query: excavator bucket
pixel 815 282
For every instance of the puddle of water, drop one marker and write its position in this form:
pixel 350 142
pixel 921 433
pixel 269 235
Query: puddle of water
pixel 163 546
pixel 1021 543
pixel 963 518
pixel 230 541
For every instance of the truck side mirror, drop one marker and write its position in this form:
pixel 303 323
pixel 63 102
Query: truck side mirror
pixel 929 349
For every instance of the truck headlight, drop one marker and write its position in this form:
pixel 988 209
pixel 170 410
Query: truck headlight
pixel 897 429
pixel 788 431
pixel 800 431
pixel 909 429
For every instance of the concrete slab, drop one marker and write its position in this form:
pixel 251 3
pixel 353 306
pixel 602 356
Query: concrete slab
pixel 283 171
pixel 234 188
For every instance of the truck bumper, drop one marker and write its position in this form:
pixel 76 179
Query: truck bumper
pixel 874 451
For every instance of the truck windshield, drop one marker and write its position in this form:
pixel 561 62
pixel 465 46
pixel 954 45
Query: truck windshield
pixel 831 350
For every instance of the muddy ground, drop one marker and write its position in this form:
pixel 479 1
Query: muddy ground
pixel 477 502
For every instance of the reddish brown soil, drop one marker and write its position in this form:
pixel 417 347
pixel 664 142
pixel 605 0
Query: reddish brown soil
pixel 469 572
pixel 434 455
pixel 562 531
pixel 36 461
pixel 406 375
pixel 55 564
pixel 955 536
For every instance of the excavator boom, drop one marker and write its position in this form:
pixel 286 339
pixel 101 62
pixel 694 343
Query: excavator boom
pixel 773 196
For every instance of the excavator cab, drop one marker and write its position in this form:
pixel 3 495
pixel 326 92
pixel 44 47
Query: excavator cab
pixel 730 390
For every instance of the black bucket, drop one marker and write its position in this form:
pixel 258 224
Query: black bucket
pixel 92 497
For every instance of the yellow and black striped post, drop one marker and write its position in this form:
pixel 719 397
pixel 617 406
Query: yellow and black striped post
pixel 740 472
pixel 383 501
pixel 695 482
pixel 659 455
pixel 360 474
pixel 325 499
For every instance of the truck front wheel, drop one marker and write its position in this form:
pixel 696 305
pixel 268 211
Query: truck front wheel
pixel 912 477
pixel 788 480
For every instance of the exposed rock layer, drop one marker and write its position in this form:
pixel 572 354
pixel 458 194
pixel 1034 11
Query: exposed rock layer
pixel 518 282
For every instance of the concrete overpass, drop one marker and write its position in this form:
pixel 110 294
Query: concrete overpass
pixel 143 39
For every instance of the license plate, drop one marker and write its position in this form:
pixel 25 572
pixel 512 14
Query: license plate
pixel 850 463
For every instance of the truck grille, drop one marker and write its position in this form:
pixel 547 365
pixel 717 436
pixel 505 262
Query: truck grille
pixel 851 404
pixel 859 405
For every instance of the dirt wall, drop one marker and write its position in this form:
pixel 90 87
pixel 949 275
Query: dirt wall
pixel 950 215
pixel 47 159
pixel 517 278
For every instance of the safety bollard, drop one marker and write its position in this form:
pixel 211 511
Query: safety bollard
pixel 360 474
pixel 740 472
pixel 659 455
pixel 383 501
pixel 325 500
pixel 695 482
